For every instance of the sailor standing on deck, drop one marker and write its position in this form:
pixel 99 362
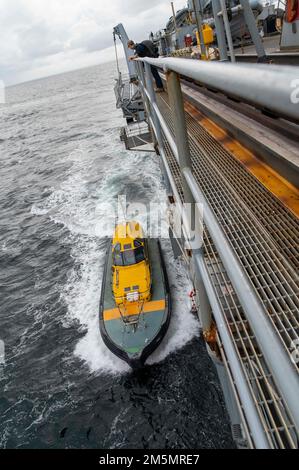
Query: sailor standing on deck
pixel 147 49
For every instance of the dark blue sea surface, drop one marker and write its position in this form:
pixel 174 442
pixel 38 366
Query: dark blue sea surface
pixel 61 159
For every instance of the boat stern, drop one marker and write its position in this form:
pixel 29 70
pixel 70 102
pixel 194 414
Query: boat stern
pixel 136 361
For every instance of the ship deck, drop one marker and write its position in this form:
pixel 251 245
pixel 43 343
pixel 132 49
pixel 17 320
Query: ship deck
pixel 271 43
pixel 263 229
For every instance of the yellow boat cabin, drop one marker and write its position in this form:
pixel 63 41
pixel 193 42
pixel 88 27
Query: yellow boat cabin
pixel 131 276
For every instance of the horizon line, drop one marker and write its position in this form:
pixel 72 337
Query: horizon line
pixel 59 73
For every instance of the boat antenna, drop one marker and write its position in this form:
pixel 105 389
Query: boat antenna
pixel 122 201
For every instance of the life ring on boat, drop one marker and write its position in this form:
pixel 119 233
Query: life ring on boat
pixel 291 10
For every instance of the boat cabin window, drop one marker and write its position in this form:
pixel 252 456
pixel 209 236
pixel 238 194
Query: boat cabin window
pixel 138 243
pixel 117 256
pixel 139 254
pixel 128 257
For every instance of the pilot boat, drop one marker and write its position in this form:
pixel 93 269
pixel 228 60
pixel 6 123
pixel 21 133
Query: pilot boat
pixel 135 305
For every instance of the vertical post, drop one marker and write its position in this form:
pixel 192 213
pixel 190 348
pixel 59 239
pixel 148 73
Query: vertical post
pixel 121 32
pixel 175 25
pixel 181 136
pixel 141 76
pixel 180 127
pixel 198 16
pixel 151 91
pixel 220 33
pixel 251 24
pixel 204 303
pixel 148 84
pixel 174 17
pixel 227 30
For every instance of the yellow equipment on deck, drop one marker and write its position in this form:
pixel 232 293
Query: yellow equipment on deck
pixel 208 38
pixel 207 34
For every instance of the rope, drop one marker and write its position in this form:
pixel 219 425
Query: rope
pixel 138 315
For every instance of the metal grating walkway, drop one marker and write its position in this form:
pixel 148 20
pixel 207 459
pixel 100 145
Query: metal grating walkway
pixel 265 237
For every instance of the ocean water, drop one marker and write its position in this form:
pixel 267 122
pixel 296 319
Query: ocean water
pixel 61 159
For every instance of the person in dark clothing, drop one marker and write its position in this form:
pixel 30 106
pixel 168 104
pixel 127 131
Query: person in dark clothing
pixel 147 49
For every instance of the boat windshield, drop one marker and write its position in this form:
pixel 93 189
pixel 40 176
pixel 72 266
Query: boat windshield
pixel 129 257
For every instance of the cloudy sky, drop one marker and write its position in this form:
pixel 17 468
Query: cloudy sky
pixel 44 37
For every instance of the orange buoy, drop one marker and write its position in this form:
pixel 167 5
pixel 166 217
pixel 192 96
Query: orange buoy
pixel 291 10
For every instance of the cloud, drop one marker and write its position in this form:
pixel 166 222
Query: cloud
pixel 39 37
pixel 38 41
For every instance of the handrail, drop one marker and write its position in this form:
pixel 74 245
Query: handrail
pixel 265 86
pixel 250 411
pixel 278 361
pixel 276 357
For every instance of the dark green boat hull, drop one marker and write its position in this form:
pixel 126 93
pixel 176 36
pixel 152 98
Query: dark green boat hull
pixel 135 344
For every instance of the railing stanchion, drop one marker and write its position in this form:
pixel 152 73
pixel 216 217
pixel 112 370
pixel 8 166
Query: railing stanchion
pixel 255 36
pixel 180 131
pixel 150 88
pixel 141 77
pixel 148 83
pixel 220 32
pixel 182 142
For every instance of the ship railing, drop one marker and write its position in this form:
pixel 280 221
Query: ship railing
pixel 267 87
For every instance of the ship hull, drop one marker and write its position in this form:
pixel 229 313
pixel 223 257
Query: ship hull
pixel 135 343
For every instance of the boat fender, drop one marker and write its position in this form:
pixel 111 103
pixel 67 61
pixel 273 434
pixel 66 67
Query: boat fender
pixel 192 296
pixel 291 10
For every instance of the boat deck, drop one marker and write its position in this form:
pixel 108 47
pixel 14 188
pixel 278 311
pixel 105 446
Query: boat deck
pixel 264 234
